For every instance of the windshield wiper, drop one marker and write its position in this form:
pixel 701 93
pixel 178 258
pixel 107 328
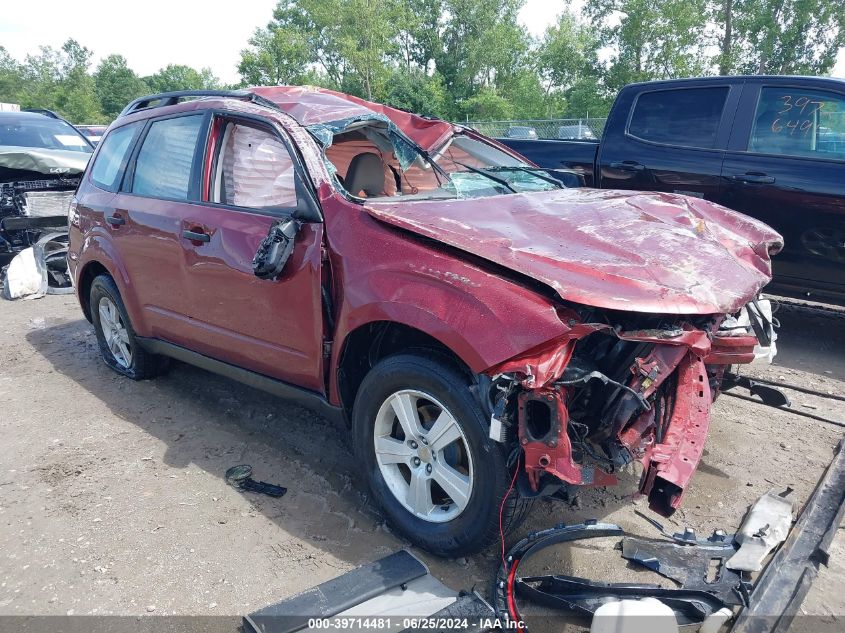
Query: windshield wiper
pixel 534 171
pixel 487 174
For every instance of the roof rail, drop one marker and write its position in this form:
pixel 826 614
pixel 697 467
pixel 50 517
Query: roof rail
pixel 45 112
pixel 172 98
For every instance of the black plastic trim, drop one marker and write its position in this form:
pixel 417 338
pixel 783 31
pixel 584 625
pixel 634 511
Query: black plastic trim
pixel 784 583
pixel 336 595
pixel 309 399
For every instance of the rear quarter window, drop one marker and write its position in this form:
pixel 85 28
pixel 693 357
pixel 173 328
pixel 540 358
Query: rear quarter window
pixel 687 117
pixel 111 159
pixel 164 165
pixel 796 122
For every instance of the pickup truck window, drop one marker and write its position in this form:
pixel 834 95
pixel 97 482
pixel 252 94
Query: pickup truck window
pixel 687 117
pixel 798 122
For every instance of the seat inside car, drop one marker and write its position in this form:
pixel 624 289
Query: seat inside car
pixel 365 173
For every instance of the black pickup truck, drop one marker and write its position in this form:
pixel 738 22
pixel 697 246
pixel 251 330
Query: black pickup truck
pixel 770 147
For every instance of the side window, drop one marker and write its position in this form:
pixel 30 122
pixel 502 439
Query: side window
pixel 687 117
pixel 254 169
pixel 163 167
pixel 113 155
pixel 798 122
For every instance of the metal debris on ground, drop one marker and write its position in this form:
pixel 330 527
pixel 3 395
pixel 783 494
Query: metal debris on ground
pixel 766 526
pixel 38 270
pixel 240 477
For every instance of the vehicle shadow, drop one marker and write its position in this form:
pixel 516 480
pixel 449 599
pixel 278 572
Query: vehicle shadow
pixel 811 340
pixel 210 422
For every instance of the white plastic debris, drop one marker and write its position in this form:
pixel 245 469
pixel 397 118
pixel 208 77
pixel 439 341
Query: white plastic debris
pixel 29 274
pixel 766 525
pixel 647 615
pixel 715 621
pixel 23 277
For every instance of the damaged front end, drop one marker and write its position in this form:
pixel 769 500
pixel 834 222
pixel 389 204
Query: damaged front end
pixel 619 388
pixel 36 188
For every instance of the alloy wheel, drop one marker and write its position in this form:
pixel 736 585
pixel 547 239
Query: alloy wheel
pixel 423 456
pixel 115 332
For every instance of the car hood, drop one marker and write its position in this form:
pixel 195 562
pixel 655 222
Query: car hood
pixel 44 161
pixel 639 252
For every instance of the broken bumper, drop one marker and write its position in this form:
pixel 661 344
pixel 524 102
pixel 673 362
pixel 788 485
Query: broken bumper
pixel 658 413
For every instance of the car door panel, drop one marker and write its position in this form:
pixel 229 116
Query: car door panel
pixel 800 196
pixel 657 150
pixel 149 244
pixel 270 326
pixel 273 327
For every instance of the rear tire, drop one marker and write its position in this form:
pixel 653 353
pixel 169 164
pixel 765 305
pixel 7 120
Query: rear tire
pixel 422 441
pixel 118 342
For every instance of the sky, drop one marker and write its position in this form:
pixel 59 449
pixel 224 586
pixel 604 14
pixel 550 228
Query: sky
pixel 154 33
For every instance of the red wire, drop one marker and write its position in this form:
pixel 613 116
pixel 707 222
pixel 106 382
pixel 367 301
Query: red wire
pixel 502 506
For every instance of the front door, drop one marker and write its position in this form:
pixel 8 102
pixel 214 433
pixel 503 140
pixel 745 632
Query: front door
pixel 787 168
pixel 273 327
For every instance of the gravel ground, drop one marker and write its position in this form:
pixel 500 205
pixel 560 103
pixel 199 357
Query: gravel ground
pixel 112 498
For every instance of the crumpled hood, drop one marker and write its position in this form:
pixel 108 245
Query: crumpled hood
pixel 638 252
pixel 44 161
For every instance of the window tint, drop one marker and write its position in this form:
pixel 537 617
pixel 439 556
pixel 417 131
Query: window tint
pixel 688 117
pixel 163 168
pixel 799 123
pixel 254 170
pixel 112 157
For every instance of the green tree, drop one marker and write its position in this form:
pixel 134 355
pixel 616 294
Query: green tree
pixel 417 92
pixel 11 78
pixel 651 39
pixel 276 55
pixel 116 85
pixel 76 96
pixel 175 77
pixel 487 105
pixel 483 47
pixel 782 37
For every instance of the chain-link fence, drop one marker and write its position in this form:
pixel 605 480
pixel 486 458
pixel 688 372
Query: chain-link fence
pixel 566 129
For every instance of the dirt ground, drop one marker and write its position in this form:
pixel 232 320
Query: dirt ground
pixel 112 497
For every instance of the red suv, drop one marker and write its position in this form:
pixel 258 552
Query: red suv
pixel 488 335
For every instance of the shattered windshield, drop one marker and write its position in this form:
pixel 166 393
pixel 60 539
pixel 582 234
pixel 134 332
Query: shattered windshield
pixel 370 158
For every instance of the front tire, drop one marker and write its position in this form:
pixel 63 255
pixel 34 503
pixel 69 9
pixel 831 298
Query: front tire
pixel 422 441
pixel 116 337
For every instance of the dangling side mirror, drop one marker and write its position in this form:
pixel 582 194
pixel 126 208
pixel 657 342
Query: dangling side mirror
pixel 275 249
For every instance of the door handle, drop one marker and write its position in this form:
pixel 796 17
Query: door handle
pixel 759 179
pixel 115 220
pixel 627 165
pixel 196 236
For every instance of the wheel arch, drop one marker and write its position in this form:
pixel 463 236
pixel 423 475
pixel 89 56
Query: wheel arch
pixel 371 342
pixel 88 273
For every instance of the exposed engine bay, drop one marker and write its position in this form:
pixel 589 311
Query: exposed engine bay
pixel 622 388
pixel 28 207
pixel 42 158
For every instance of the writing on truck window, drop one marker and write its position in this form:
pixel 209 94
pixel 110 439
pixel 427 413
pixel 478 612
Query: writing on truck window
pixel 799 123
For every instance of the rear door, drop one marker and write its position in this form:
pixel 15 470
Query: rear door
pixel 786 166
pixel 673 139
pixel 162 179
pixel 273 327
